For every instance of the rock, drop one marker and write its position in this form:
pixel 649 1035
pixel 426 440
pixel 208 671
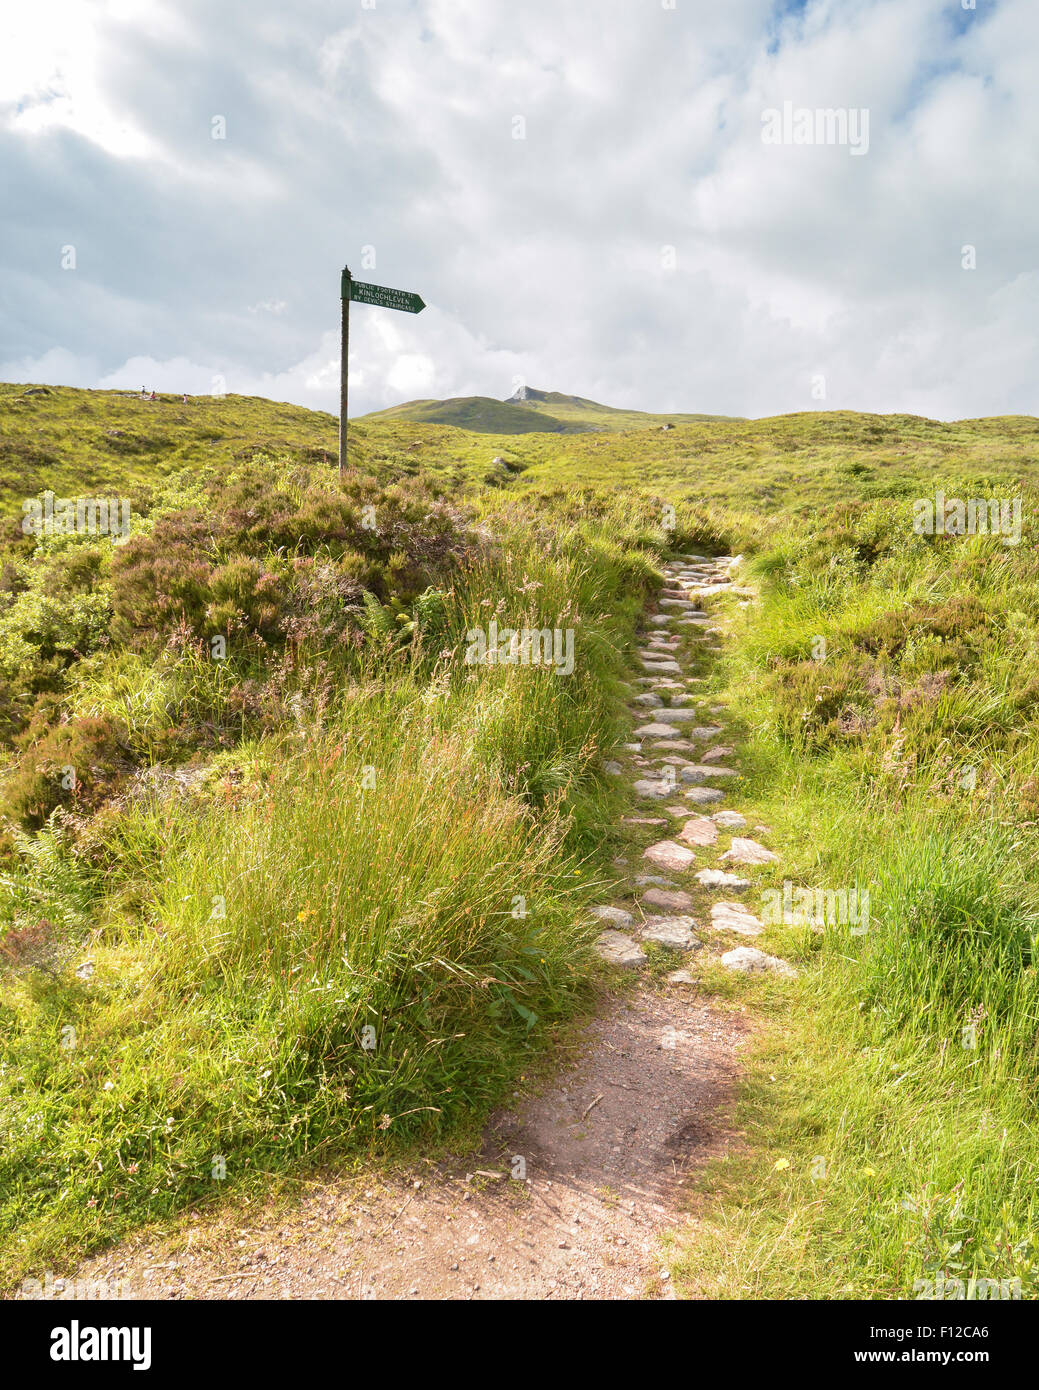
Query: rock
pixel 676 932
pixel 751 961
pixel 656 731
pixel 709 755
pixel 674 901
pixel 680 977
pixel 735 917
pixel 729 820
pixel 699 772
pixel 680 605
pixel 652 881
pixel 613 769
pixel 680 716
pixel 704 731
pixel 648 699
pixel 659 619
pixel 652 791
pixel 669 855
pixel 718 878
pixel 699 831
pixel 632 747
pixel 664 668
pixel 617 949
pixel 749 852
pixel 674 745
pixel 703 796
pixel 614 916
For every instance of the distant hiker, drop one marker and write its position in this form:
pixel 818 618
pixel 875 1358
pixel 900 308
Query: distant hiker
pixel 152 397
pixel 185 398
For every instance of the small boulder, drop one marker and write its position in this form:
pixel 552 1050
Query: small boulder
pixel 718 878
pixel 613 916
pixel 676 932
pixel 617 949
pixel 671 901
pixel 750 961
pixel 749 852
pixel 699 831
pixel 735 917
pixel 669 855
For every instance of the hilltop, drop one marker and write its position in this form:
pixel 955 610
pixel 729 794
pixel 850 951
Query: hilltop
pixel 530 411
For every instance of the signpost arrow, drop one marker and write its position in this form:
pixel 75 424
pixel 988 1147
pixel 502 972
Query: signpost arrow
pixel 362 293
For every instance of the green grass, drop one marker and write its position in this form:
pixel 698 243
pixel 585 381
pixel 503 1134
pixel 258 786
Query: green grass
pixel 370 810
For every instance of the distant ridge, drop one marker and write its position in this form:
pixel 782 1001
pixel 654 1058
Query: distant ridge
pixel 530 411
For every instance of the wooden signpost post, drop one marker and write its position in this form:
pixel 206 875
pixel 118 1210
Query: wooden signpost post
pixel 362 293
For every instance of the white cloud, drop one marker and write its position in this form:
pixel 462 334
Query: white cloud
pixel 542 257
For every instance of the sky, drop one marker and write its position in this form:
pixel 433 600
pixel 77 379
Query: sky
pixel 630 200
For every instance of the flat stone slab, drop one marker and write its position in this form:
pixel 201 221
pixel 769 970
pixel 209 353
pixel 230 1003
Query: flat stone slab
pixel 680 977
pixel 664 668
pixel 659 619
pixel 718 878
pixel 704 731
pixel 669 855
pixel 671 901
pixel 656 730
pixel 729 820
pixel 681 604
pixel 649 699
pixel 699 831
pixel 674 745
pixel 612 916
pixel 749 852
pixel 653 791
pixel 703 796
pixel 616 948
pixel 710 755
pixel 612 769
pixel 750 961
pixel 699 772
pixel 652 881
pixel 735 917
pixel 676 932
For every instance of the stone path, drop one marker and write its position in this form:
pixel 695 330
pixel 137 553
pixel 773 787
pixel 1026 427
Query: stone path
pixel 572 1190
pixel 675 760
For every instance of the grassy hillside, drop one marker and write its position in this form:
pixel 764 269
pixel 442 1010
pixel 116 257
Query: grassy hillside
pixel 295 812
pixel 537 412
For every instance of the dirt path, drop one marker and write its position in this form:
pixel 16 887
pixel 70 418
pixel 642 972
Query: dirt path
pixel 572 1191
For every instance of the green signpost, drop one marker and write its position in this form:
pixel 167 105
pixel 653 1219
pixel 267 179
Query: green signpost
pixel 362 293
